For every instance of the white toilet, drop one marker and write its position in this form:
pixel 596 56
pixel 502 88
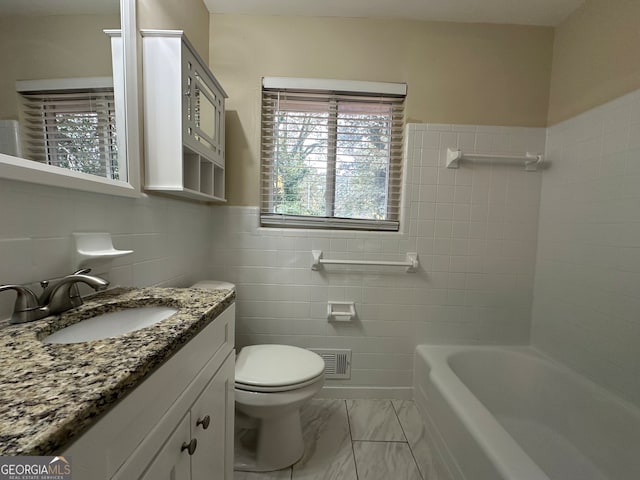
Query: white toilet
pixel 272 382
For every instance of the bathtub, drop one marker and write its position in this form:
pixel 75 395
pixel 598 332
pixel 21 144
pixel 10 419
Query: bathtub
pixel 510 413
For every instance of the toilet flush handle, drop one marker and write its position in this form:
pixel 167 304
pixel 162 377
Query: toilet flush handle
pixel 204 422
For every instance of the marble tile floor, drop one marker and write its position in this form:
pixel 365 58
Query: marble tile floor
pixel 359 440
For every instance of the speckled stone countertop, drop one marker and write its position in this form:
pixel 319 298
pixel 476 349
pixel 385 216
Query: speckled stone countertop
pixel 51 393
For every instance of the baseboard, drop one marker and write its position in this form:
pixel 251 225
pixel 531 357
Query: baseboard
pixel 395 393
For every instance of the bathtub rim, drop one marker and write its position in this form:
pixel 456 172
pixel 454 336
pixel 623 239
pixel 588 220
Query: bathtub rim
pixel 509 459
pixel 439 350
pixel 432 366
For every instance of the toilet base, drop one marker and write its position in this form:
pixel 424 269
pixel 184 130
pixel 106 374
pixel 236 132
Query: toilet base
pixel 276 444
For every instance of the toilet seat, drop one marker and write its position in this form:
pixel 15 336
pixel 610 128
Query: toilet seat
pixel 282 388
pixel 276 368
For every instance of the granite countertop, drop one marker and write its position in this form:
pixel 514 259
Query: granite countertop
pixel 51 393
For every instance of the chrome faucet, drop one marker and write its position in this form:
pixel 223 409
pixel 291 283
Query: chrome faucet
pixel 65 295
pixel 60 297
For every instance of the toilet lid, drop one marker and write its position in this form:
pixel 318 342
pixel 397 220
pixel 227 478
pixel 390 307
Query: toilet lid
pixel 276 365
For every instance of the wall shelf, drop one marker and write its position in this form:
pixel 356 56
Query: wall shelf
pixel 532 161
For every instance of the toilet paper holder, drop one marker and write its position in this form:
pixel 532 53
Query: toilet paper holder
pixel 341 311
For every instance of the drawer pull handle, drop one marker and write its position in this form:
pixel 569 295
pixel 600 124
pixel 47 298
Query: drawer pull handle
pixel 204 422
pixel 190 447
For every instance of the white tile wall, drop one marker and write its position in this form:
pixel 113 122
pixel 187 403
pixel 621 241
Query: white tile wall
pixel 170 238
pixel 474 229
pixel 587 290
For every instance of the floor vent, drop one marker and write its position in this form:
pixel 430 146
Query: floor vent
pixel 337 362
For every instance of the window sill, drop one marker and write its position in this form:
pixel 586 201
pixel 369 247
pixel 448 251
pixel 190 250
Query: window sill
pixel 14 168
pixel 273 220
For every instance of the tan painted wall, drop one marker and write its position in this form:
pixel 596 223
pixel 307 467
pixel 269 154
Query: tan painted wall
pixel 191 16
pixel 456 73
pixel 596 57
pixel 62 46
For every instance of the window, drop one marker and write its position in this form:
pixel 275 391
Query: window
pixel 331 154
pixel 73 129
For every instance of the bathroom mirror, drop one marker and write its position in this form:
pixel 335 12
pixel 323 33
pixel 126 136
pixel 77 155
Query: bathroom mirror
pixel 57 53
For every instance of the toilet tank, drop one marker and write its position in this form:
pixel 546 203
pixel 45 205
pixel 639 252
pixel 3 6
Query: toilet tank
pixel 214 285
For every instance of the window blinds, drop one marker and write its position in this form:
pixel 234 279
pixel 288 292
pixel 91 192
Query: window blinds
pixel 74 130
pixel 331 159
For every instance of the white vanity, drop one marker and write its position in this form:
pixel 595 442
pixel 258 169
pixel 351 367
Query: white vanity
pixel 177 424
pixel 153 403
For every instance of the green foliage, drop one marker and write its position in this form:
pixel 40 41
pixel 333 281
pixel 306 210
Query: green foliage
pixel 298 142
pixel 81 144
pixel 307 152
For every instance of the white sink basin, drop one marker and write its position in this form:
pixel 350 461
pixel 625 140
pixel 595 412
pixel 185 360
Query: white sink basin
pixel 110 324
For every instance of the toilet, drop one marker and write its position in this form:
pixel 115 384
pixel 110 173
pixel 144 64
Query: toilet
pixel 272 382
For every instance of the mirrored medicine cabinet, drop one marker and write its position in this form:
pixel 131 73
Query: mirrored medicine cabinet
pixel 69 96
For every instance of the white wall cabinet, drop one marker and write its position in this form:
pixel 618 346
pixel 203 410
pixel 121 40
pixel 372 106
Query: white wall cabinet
pixel 183 119
pixel 158 430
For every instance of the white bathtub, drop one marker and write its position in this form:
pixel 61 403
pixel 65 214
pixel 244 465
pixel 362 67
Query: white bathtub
pixel 510 413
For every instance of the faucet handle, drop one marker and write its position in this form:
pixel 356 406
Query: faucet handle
pixel 82 271
pixel 26 304
pixel 25 300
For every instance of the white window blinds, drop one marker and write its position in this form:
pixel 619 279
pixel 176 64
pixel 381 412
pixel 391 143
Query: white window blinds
pixel 331 159
pixel 75 130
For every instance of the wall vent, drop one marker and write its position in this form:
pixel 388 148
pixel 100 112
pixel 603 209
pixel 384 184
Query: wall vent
pixel 337 362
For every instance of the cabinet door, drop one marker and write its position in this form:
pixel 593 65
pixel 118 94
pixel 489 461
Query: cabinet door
pixel 172 461
pixel 203 110
pixel 214 410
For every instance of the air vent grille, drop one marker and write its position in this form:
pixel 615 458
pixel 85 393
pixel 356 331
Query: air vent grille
pixel 337 362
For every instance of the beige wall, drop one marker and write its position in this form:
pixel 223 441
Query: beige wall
pixel 51 47
pixel 191 16
pixel 596 57
pixel 456 73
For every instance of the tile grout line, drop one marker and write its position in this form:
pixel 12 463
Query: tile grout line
pixel 353 451
pixel 408 443
pixel 399 422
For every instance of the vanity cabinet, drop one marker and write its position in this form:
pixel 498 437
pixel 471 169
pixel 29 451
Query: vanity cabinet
pixel 177 424
pixel 193 451
pixel 183 119
pixel 171 463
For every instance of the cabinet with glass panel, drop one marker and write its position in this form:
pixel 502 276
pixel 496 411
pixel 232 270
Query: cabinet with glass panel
pixel 183 119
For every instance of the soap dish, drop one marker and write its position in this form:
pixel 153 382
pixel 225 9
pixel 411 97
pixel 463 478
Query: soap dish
pixel 91 247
